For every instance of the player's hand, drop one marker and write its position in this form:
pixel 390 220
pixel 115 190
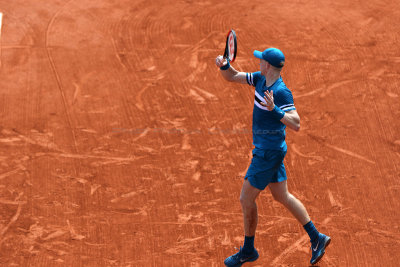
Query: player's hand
pixel 269 100
pixel 220 61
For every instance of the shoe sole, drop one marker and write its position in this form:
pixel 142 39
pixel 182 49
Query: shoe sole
pixel 323 253
pixel 250 260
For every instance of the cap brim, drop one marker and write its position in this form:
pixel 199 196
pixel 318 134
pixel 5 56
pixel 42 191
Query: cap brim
pixel 257 54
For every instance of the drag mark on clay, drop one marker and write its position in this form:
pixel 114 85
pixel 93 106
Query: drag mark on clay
pixel 206 93
pixel 333 201
pixel 6 174
pixel 55 234
pixel 392 95
pixel 42 141
pixel 57 76
pixel 144 133
pixel 344 151
pixel 295 150
pixel 185 142
pixel 172 223
pixel 1 23
pixel 298 244
pixel 119 55
pixel 11 202
pixel 388 234
pixel 139 102
pixel 336 85
pixel 194 48
pixel 199 99
pixel 124 196
pixel 182 247
pixel 9 140
pixel 76 92
pixel 324 91
pixel 93 188
pixel 195 60
pixel 226 240
pixel 347 152
pixel 18 46
pixel 13 220
pixel 196 176
pixel 74 235
pixel 84 156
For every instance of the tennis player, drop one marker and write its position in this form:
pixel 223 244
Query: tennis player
pixel 273 111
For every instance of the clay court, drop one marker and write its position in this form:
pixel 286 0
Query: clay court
pixel 122 145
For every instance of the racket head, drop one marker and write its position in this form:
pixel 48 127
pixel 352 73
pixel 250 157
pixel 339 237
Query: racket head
pixel 230 46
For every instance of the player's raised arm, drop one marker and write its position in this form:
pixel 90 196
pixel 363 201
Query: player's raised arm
pixel 228 72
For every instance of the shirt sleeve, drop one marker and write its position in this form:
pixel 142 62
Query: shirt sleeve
pixel 253 78
pixel 284 100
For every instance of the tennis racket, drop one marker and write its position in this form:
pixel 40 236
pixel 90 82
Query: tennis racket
pixel 230 46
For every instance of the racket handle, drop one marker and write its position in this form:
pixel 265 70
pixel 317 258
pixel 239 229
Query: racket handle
pixel 226 66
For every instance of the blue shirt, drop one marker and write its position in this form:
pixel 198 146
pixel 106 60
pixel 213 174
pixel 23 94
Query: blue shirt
pixel 268 132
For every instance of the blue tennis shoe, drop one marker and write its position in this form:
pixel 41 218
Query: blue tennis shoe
pixel 319 249
pixel 239 258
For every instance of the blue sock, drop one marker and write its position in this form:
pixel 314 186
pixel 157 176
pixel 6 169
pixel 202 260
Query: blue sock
pixel 311 231
pixel 248 246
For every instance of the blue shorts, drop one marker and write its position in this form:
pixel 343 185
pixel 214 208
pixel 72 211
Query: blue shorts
pixel 266 167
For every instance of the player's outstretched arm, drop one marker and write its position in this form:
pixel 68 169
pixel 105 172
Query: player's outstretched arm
pixel 230 74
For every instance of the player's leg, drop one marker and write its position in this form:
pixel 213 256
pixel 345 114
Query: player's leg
pixel 254 182
pixel 318 241
pixel 248 198
pixel 247 253
pixel 262 170
pixel 281 194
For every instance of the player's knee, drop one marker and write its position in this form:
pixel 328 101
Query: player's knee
pixel 244 201
pixel 281 197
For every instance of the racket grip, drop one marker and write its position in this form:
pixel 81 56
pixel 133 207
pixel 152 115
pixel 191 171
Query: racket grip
pixel 226 66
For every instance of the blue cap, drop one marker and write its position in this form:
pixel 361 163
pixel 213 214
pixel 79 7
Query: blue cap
pixel 273 56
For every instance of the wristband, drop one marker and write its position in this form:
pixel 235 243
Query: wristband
pixel 225 67
pixel 277 113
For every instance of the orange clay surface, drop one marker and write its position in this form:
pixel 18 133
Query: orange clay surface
pixel 122 145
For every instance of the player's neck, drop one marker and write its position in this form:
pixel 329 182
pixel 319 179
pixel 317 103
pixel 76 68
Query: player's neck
pixel 271 78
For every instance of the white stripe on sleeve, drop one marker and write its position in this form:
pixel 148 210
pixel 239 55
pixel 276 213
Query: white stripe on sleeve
pixel 287 105
pixel 288 108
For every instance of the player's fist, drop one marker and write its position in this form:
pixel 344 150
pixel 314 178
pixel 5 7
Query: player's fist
pixel 220 61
